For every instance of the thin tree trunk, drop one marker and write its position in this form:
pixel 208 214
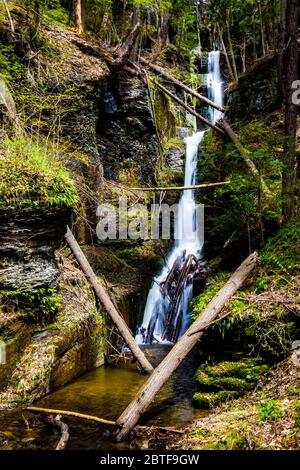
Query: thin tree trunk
pixel 254 43
pixel 107 303
pixel 183 188
pixel 244 54
pixel 231 50
pixel 281 44
pixel 198 17
pixel 225 53
pixel 184 87
pixel 289 161
pixel 162 373
pixel 9 18
pixel 188 108
pixel 263 43
pixel 78 16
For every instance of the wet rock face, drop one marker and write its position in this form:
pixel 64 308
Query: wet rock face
pixel 28 238
pixel 126 132
pixel 256 92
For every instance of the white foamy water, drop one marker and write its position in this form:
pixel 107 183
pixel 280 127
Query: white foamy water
pixel 189 240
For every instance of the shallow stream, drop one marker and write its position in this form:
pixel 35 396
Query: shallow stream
pixel 104 392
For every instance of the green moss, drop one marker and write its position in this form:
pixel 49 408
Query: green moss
pixel 31 176
pixel 226 383
pixel 210 400
pixel 226 380
pixel 246 369
pixel 212 288
pixel 41 305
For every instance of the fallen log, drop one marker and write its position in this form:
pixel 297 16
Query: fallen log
pixel 107 303
pixel 181 85
pixel 250 164
pixel 74 414
pixel 183 188
pixel 71 413
pixel 188 108
pixel 64 438
pixel 161 374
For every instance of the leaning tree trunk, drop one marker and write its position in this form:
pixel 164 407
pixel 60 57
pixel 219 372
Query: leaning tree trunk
pixel 189 109
pixel 162 373
pixel 181 85
pixel 289 161
pixel 232 51
pixel 225 53
pixel 9 18
pixel 107 303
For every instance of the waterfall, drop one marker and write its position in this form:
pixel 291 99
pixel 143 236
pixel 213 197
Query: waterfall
pixel 188 243
pixel 215 85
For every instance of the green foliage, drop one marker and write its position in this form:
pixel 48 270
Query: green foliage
pixel 297 413
pixel 32 176
pixel 212 288
pixel 42 304
pixel 269 411
pixel 240 204
pixel 11 66
pixel 282 251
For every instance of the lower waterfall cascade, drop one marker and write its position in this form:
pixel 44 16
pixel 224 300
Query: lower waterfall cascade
pixel 167 313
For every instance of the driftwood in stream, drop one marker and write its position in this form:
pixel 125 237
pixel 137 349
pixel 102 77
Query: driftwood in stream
pixel 250 164
pixel 162 373
pixel 181 85
pixel 189 109
pixel 180 276
pixel 64 438
pixel 107 303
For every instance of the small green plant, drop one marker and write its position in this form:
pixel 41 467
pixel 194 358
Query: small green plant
pixel 261 286
pixel 297 412
pixel 269 411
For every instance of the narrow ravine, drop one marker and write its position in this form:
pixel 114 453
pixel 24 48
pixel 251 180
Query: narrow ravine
pixel 166 319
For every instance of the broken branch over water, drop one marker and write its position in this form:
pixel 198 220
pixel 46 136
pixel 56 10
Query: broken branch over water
pixel 107 303
pixel 162 373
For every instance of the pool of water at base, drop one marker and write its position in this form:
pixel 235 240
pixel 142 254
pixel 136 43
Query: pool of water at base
pixel 104 392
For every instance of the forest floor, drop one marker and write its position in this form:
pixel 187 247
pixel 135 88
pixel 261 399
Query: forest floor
pixel 266 419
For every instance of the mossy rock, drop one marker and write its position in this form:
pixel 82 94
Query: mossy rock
pixel 247 369
pixel 226 380
pixel 210 400
pixel 226 383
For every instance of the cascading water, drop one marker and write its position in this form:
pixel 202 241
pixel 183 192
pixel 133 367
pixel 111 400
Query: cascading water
pixel 166 319
pixel 215 85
